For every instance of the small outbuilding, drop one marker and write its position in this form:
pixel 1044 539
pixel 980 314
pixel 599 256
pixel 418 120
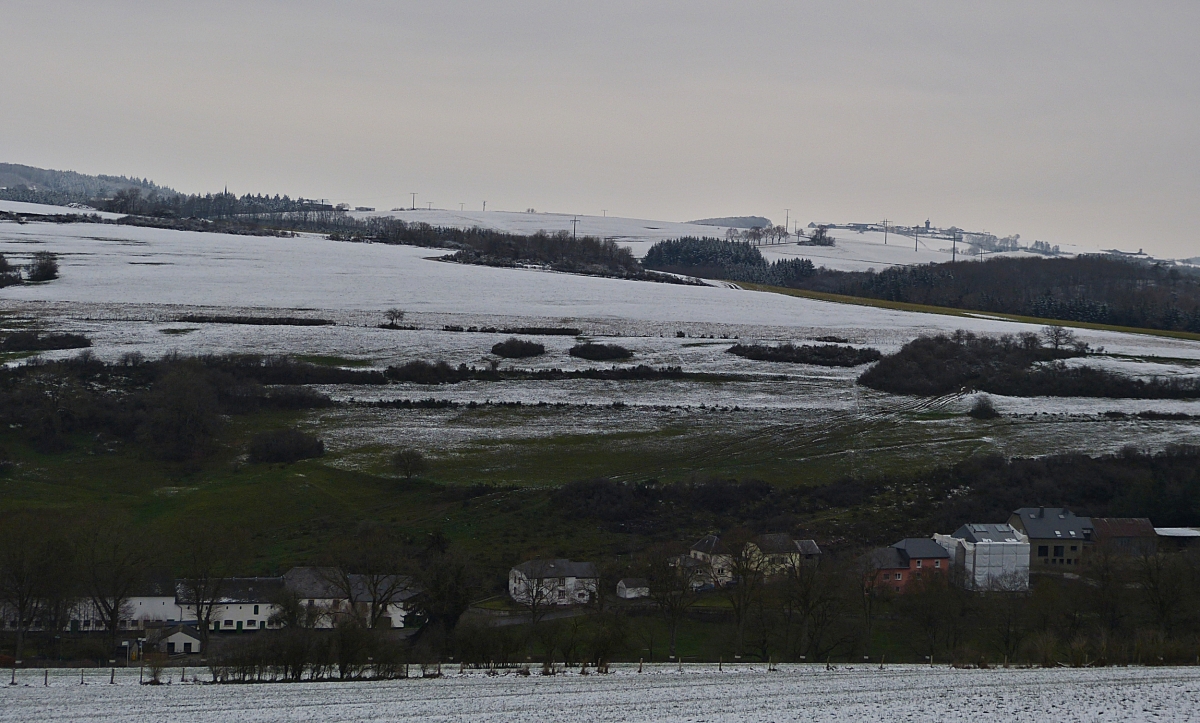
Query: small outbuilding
pixel 630 588
pixel 179 640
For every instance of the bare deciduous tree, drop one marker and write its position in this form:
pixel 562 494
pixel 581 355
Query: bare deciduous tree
pixel 672 588
pixel 409 463
pixel 113 561
pixel 206 557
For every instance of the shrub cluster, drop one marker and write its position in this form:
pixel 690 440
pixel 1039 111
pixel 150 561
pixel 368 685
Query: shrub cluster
pixel 1009 366
pixel 518 349
pixel 34 341
pixel 600 352
pixel 828 355
pixel 284 445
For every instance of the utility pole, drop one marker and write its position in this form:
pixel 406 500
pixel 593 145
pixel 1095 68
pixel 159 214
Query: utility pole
pixel 916 237
pixel 787 216
pixel 885 226
pixel 605 212
pixel 414 202
pixel 461 206
pixel 573 222
pixel 485 205
pixel 430 203
pixel 954 248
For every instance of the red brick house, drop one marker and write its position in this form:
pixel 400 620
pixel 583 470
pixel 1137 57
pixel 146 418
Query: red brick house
pixel 908 562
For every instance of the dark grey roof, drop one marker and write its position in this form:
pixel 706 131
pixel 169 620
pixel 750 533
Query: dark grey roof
pixel 888 558
pixel 238 590
pixel 324 583
pixel 632 582
pixel 919 547
pixel 808 547
pixel 1054 522
pixel 534 569
pixel 709 544
pixel 155 582
pixel 780 543
pixel 989 532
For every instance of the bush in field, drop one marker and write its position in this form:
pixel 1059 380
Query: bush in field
pixel 600 352
pixel 44 267
pixel 983 408
pixel 518 349
pixel 284 445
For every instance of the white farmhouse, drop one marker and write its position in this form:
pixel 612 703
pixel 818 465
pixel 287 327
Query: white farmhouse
pixel 151 602
pixel 553 582
pixel 324 591
pixel 989 556
pixel 246 603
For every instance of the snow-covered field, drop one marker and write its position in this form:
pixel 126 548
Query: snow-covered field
pixel 125 287
pixel 698 693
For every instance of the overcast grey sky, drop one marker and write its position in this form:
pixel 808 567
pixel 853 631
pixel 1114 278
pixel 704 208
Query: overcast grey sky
pixel 1071 122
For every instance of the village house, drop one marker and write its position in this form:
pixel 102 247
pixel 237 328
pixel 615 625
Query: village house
pixel 1174 539
pixel 988 556
pixel 324 591
pixel 713 562
pixel 151 602
pixel 246 603
pixel 779 553
pixel 1056 535
pixel 553 582
pixel 907 563
pixel 1125 535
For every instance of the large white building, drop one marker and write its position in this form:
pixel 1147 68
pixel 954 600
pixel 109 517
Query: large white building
pixel 553 582
pixel 989 556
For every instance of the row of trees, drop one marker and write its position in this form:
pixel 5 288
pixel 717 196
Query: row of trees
pixel 1100 289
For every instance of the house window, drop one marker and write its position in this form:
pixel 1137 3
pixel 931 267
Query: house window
pixel 918 576
pixel 187 647
pixel 229 623
pixel 170 648
pixel 250 623
pixel 1074 548
pixel 1043 550
pixel 1058 551
pixel 256 610
pixel 937 563
pixel 562 594
pixel 899 576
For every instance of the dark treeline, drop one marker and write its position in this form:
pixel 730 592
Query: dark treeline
pixel 173 407
pixel 713 258
pixel 1012 366
pixel 828 355
pixel 1164 487
pixel 36 341
pixel 1100 289
pixel 252 320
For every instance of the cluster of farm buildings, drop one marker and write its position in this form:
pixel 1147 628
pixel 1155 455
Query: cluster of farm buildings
pixel 982 556
pixel 985 557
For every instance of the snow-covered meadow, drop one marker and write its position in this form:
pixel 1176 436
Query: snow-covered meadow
pixel 126 287
pixel 662 693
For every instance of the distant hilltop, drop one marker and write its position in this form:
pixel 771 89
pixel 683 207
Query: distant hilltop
pixel 735 222
pixel 39 185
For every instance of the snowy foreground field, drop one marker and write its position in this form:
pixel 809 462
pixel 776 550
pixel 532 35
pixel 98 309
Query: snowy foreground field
pixel 699 693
